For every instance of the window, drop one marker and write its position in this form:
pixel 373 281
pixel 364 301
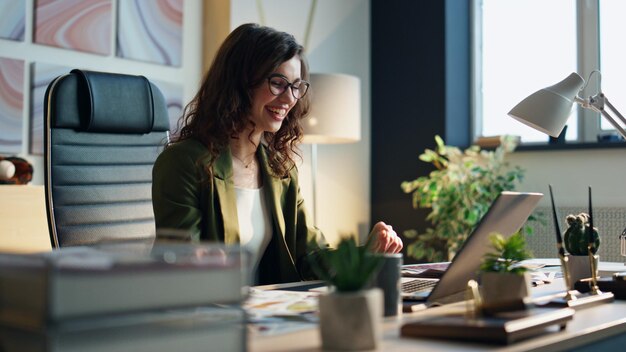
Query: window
pixel 613 54
pixel 521 46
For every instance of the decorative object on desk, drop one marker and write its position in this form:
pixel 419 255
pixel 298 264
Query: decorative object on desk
pixel 576 240
pixel 572 297
pixel 350 313
pixel 576 235
pixel 15 171
pixel 505 283
pixel 459 193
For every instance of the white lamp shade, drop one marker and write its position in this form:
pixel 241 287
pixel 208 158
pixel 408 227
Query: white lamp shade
pixel 548 109
pixel 335 114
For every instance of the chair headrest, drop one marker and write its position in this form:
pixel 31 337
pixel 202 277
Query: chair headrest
pixel 117 103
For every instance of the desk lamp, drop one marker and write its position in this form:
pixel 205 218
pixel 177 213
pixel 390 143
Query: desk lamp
pixel 548 109
pixel 334 117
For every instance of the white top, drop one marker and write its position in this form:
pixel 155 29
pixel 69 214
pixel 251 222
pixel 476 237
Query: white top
pixel 255 227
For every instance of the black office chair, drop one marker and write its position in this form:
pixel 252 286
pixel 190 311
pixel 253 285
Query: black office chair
pixel 102 134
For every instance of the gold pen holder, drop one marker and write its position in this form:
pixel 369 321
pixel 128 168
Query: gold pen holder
pixel 579 267
pixel 584 268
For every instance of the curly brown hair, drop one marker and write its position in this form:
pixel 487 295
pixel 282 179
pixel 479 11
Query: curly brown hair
pixel 220 109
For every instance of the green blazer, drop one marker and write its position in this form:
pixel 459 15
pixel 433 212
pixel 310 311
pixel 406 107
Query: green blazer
pixel 184 197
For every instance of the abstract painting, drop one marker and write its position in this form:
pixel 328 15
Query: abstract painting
pixel 12 19
pixel 11 105
pixel 83 25
pixel 150 30
pixel 42 75
pixel 173 94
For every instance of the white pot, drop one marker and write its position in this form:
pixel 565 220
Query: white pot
pixel 504 290
pixel 351 321
pixel 579 267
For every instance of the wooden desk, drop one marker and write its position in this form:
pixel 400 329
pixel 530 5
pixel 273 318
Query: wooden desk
pixel 603 325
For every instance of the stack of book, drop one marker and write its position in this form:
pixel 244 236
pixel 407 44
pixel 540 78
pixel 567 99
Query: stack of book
pixel 173 297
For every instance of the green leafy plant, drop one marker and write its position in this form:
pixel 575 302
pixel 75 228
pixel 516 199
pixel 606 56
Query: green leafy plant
pixel 458 192
pixel 507 255
pixel 349 267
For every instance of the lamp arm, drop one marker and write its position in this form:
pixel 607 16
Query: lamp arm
pixel 597 103
pixel 621 117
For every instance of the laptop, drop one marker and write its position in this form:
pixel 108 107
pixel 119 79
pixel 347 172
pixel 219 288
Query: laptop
pixel 506 215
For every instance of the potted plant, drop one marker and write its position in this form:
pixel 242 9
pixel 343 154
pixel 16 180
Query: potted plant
pixel 504 281
pixel 576 242
pixel 350 313
pixel 458 192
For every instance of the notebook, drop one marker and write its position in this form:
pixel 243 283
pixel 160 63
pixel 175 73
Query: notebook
pixel 506 215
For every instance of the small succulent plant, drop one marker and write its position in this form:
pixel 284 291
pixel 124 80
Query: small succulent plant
pixel 576 237
pixel 508 254
pixel 349 267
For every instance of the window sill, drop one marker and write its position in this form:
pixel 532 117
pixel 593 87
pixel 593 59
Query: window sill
pixel 531 147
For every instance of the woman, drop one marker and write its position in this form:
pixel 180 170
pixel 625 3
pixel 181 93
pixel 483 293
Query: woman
pixel 229 175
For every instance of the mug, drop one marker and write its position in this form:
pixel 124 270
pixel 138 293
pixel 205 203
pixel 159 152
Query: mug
pixel 388 279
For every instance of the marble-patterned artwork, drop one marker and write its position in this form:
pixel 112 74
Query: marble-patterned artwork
pixel 11 105
pixel 42 75
pixel 173 94
pixel 83 25
pixel 12 19
pixel 150 30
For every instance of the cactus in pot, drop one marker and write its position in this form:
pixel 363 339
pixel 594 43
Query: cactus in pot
pixel 576 237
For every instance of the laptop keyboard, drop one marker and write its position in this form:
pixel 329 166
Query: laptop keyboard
pixel 417 285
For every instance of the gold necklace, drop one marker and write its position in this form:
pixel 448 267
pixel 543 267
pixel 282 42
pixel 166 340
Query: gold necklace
pixel 246 165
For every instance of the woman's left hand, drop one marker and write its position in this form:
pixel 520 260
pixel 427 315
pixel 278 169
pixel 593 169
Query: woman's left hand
pixel 385 239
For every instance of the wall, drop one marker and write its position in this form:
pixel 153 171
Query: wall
pixel 187 75
pixel 420 88
pixel 338 43
pixel 570 172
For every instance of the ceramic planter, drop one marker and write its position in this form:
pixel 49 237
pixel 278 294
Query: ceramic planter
pixel 579 267
pixel 351 321
pixel 504 289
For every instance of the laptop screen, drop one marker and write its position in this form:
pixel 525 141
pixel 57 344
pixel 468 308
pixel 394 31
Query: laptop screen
pixel 507 215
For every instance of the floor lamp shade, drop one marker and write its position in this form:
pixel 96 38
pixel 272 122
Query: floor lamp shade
pixel 335 114
pixel 548 109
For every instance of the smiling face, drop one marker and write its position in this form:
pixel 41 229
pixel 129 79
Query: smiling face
pixel 268 110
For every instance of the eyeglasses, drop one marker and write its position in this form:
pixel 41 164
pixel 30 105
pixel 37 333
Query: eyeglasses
pixel 278 84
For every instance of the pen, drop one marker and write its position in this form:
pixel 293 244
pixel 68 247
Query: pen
pixel 559 244
pixel 590 230
pixel 559 239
